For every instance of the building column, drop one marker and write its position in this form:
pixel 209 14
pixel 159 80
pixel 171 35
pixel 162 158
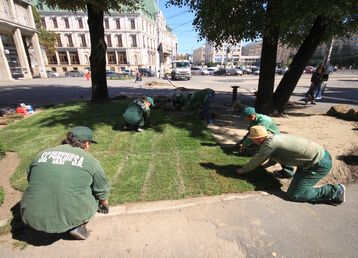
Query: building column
pixel 68 57
pixel 13 10
pixel 57 58
pixel 32 20
pixel 5 73
pixel 21 53
pixel 38 55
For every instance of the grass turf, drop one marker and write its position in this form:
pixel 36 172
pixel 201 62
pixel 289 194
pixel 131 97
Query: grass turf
pixel 176 158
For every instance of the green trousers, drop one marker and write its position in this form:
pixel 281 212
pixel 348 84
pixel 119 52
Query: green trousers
pixel 302 186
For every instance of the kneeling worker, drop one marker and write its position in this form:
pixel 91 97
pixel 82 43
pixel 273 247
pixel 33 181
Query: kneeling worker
pixel 67 185
pixel 247 146
pixel 312 160
pixel 137 113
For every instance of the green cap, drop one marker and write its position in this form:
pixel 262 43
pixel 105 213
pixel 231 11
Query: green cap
pixel 249 111
pixel 83 133
pixel 150 100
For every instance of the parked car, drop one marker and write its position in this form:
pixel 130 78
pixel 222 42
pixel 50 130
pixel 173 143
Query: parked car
pixel 256 72
pixel 281 70
pixel 246 70
pixel 74 73
pixel 205 71
pixel 52 74
pixel 195 70
pixel 239 71
pixel 212 70
pixel 146 72
pixel 125 72
pixel 112 75
pixel 227 71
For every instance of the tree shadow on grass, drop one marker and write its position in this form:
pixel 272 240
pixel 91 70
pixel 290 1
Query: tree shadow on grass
pixel 21 232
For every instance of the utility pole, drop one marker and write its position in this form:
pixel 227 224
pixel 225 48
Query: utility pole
pixel 327 60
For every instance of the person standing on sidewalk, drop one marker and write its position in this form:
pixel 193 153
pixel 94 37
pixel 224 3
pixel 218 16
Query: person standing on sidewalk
pixel 67 185
pixel 247 146
pixel 312 160
pixel 316 82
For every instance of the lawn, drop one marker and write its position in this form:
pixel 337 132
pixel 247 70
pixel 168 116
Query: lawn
pixel 176 158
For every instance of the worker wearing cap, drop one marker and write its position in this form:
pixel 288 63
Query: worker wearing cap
pixel 312 160
pixel 66 186
pixel 137 113
pixel 248 147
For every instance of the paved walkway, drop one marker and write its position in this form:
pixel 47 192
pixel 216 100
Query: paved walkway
pixel 247 225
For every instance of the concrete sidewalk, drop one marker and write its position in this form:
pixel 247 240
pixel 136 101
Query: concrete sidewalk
pixel 235 225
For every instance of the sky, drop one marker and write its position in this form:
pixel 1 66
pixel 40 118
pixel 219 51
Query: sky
pixel 180 20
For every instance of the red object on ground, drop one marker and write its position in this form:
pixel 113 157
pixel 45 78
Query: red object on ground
pixel 21 110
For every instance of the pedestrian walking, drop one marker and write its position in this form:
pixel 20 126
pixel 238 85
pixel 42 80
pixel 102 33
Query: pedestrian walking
pixel 312 160
pixel 66 186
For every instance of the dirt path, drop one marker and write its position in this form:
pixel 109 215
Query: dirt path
pixel 7 167
pixel 339 137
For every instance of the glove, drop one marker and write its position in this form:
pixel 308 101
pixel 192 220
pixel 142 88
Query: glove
pixel 103 208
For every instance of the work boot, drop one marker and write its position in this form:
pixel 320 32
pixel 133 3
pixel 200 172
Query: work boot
pixel 341 195
pixel 80 232
pixel 282 174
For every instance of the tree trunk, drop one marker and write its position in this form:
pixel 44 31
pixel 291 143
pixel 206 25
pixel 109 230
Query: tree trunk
pixel 264 97
pixel 303 55
pixel 98 53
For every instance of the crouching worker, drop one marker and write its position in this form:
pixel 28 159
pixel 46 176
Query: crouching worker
pixel 201 101
pixel 247 146
pixel 137 114
pixel 67 185
pixel 312 160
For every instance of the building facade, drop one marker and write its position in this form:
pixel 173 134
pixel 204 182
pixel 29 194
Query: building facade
pixel 227 54
pixel 140 39
pixel 199 56
pixel 20 52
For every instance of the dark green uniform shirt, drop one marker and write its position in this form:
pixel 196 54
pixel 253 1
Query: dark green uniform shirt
pixel 198 98
pixel 136 113
pixel 65 184
pixel 264 121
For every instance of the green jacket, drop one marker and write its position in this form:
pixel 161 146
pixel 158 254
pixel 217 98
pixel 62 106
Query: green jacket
pixel 264 121
pixel 289 150
pixel 136 113
pixel 198 98
pixel 65 184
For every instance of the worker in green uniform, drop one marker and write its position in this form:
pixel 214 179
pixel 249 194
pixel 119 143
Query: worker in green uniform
pixel 137 113
pixel 247 146
pixel 66 186
pixel 312 160
pixel 201 101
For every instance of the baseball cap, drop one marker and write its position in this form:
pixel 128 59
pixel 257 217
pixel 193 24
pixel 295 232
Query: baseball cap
pixel 249 111
pixel 83 133
pixel 150 100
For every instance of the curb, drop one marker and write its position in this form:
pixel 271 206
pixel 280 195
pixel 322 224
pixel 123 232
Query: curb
pixel 157 206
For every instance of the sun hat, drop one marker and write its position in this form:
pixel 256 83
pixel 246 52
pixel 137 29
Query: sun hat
pixel 249 111
pixel 257 131
pixel 83 133
pixel 151 101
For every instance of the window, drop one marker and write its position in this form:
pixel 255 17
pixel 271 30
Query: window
pixel 80 22
pixel 122 57
pixel 74 58
pixel 54 69
pixel 67 24
pixel 143 41
pixel 109 40
pixel 64 69
pixel 134 40
pixel 63 57
pixel 106 23
pixel 132 24
pixel 83 40
pixel 58 40
pixel 118 23
pixel 54 21
pixel 43 22
pixel 51 58
pixel 119 41
pixel 69 40
pixel 112 58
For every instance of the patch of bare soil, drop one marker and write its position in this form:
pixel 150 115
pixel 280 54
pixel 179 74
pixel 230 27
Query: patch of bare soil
pixel 12 196
pixel 339 137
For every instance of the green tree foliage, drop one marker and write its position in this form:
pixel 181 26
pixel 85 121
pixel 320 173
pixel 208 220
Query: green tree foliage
pixel 96 10
pixel 295 23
